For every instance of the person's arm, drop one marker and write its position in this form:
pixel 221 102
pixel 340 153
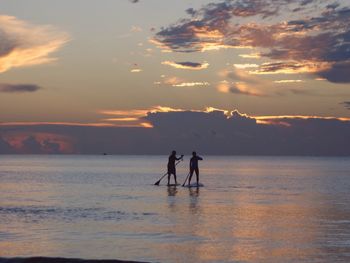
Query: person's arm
pixel 182 156
pixel 200 158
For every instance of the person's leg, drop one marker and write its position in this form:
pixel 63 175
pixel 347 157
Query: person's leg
pixel 197 175
pixel 175 177
pixel 169 177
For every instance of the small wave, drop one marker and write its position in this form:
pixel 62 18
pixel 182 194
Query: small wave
pixel 60 260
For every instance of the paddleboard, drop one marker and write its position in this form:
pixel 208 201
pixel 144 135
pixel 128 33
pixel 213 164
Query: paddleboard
pixel 173 184
pixel 194 185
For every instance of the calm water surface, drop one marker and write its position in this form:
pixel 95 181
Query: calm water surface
pixel 252 209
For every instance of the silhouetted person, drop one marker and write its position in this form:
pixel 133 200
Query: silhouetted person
pixel 194 166
pixel 171 165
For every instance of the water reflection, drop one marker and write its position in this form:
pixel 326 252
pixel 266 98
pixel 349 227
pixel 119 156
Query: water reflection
pixel 172 190
pixel 251 210
pixel 194 199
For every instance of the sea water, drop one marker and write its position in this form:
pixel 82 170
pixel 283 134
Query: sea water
pixel 252 209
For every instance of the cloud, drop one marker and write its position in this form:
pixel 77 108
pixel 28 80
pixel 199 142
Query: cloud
pixel 209 131
pixel 18 88
pixel 288 81
pixel 25 44
pixel 5 147
pixel 29 141
pixel 136 29
pixel 31 145
pixel 346 104
pixel 242 89
pixel 314 37
pixel 186 65
pixel 242 83
pixel 178 82
pixel 251 55
pixel 191 84
pixel 134 1
pixel 172 81
pixel 338 73
pixel 289 68
pixel 136 70
pixel 132 118
pixel 245 66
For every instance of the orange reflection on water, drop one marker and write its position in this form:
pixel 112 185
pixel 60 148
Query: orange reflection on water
pixel 253 230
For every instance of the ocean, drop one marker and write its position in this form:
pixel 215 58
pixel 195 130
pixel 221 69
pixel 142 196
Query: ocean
pixel 251 209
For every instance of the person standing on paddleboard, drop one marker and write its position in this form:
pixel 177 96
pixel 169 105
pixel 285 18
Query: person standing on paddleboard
pixel 194 167
pixel 171 165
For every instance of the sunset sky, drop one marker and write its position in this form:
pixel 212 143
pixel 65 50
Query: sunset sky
pixel 110 63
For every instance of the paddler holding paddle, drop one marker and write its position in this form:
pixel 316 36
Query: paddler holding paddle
pixel 194 167
pixel 172 165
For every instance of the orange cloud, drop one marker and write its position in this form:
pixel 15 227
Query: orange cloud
pixel 136 70
pixel 133 118
pixel 244 66
pixel 172 81
pixel 39 142
pixel 304 117
pixel 180 83
pixel 56 123
pixel 251 55
pixel 245 89
pixel 191 84
pixel 25 44
pixel 311 35
pixel 288 81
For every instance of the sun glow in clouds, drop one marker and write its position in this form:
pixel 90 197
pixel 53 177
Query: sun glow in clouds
pixel 191 84
pixel 24 44
pixel 134 118
pixel 251 55
pixel 244 66
pixel 289 81
pixel 136 70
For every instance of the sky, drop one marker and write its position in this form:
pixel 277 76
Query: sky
pixel 149 76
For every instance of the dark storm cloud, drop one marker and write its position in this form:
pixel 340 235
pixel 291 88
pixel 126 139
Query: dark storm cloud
pixel 214 132
pixel 18 88
pixel 5 147
pixel 338 73
pixel 321 37
pixel 31 145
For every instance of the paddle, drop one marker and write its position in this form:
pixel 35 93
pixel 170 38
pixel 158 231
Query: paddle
pixel 186 179
pixel 157 183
